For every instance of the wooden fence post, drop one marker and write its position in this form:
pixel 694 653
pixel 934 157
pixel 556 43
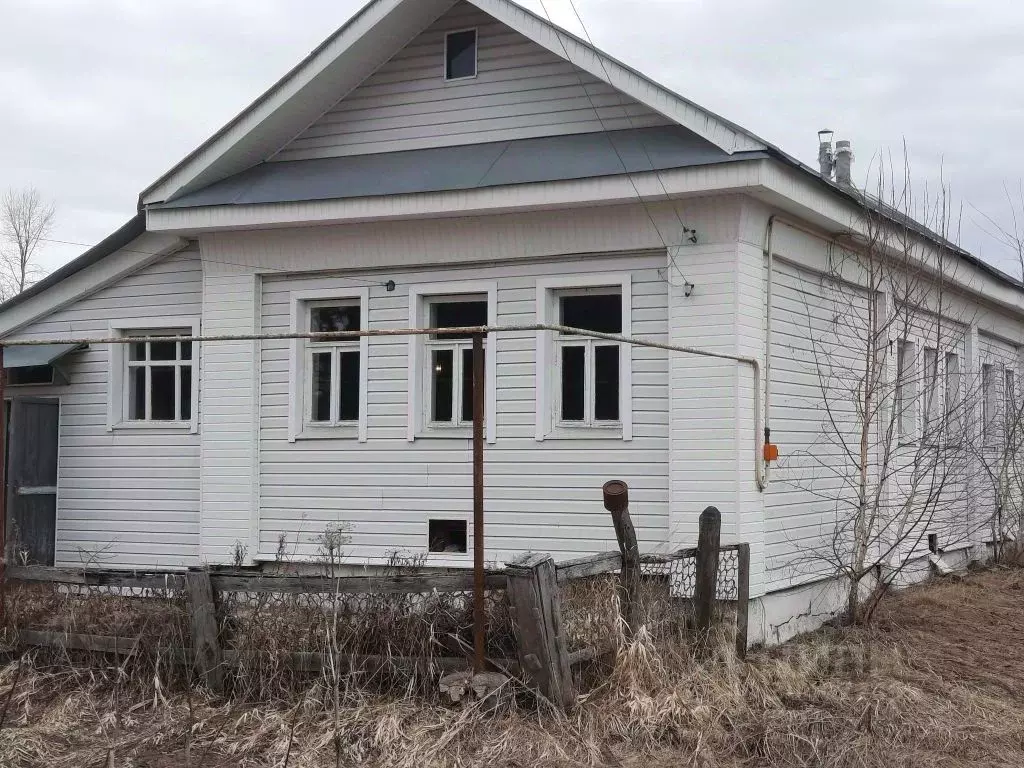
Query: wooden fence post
pixel 616 501
pixel 537 615
pixel 709 541
pixel 742 600
pixel 207 656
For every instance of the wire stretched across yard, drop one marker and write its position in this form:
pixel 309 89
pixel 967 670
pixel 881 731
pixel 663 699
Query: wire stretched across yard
pixel 463 331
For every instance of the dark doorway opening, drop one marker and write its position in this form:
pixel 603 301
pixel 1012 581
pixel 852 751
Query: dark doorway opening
pixel 32 433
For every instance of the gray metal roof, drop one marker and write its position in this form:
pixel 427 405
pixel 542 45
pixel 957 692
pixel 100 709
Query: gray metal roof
pixel 34 355
pixel 443 169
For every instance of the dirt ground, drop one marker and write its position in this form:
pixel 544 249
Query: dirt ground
pixel 937 680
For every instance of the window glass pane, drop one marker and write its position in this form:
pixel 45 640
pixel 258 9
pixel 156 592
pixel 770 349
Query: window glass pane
pixel 442 373
pixel 186 350
pixel 573 382
pixel 953 394
pixel 906 389
pixel 162 350
pixel 601 313
pixel 460 54
pixel 186 392
pixel 320 382
pixel 467 384
pixel 606 383
pixel 137 352
pixel 457 314
pixel 988 386
pixel 34 374
pixel 162 393
pixel 931 387
pixel 137 394
pixel 334 319
pixel 348 393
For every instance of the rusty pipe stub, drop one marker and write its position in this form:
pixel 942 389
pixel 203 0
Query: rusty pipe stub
pixel 616 496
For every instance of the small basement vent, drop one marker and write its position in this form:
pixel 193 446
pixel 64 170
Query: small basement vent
pixel 448 536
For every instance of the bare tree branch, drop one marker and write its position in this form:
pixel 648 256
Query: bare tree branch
pixel 26 220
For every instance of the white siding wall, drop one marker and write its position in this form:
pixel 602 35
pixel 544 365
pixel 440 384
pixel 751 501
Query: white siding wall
pixel 229 412
pixel 813 357
pixel 819 331
pixel 540 496
pixel 1002 355
pixel 522 90
pixel 126 498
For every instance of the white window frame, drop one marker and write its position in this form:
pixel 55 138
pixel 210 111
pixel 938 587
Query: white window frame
pixel 420 298
pixel 952 404
pixel 990 404
pixel 1006 401
pixel 547 374
pixel 931 391
pixel 300 427
pixel 912 380
pixel 476 56
pixel 117 374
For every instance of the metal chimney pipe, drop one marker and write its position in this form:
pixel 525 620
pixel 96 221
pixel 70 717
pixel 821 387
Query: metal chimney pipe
pixel 825 157
pixel 844 164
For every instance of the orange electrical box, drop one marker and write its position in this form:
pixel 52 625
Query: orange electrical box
pixel 771 452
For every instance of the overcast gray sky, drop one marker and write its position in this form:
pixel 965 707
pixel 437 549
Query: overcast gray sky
pixel 99 97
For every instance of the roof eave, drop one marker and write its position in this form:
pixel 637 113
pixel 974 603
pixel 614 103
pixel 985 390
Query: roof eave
pixel 129 231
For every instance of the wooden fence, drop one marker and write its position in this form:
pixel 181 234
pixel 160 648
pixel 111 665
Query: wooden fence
pixel 531 584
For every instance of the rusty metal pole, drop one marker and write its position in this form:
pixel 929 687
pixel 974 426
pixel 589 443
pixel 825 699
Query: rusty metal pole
pixel 479 618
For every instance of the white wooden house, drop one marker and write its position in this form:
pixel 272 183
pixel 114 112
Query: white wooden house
pixel 440 162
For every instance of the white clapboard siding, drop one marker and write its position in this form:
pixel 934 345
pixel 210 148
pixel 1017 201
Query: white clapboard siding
pixel 540 496
pixel 125 498
pixel 1003 355
pixel 929 489
pixel 813 358
pixel 522 90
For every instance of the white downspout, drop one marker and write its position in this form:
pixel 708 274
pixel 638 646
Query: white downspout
pixel 769 295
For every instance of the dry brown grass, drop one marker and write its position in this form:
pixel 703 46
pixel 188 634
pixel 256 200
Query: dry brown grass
pixel 936 682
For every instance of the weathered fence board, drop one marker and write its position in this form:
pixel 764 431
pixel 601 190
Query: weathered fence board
pixel 537 614
pixel 120 646
pixel 616 501
pixel 97 578
pixel 378 585
pixel 743 600
pixel 585 567
pixel 205 644
pixel 708 544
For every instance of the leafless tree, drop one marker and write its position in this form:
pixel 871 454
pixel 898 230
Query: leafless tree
pixel 998 445
pixel 888 463
pixel 26 220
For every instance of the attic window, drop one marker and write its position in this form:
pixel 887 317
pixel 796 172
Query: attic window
pixel 460 55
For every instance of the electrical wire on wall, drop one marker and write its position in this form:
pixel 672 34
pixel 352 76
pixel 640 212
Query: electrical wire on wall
pixel 687 234
pixel 388 284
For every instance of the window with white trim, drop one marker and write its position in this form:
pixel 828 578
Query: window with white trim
pixel 953 405
pixel 327 378
pixel 448 377
pixel 932 405
pixel 1009 402
pixel 332 366
pixel 158 378
pixel 989 403
pixel 588 392
pixel 906 390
